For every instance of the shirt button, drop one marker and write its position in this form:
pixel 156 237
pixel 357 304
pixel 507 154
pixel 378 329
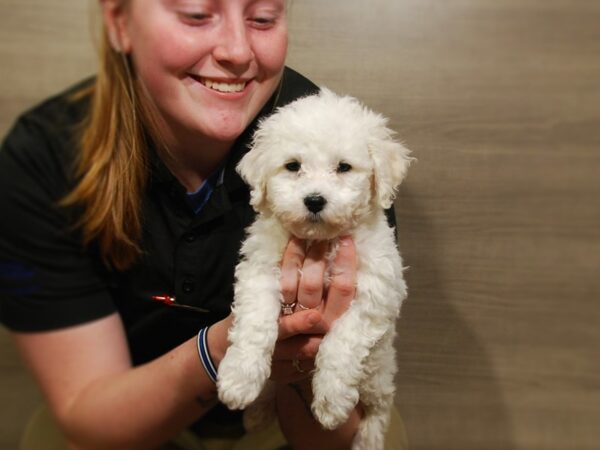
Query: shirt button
pixel 190 237
pixel 188 287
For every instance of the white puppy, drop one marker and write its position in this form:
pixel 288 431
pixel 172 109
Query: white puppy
pixel 319 168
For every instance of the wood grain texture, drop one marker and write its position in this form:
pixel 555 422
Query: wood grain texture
pixel 44 47
pixel 499 220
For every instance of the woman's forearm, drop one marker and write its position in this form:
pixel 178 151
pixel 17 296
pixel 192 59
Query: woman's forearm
pixel 100 401
pixel 143 406
pixel 301 429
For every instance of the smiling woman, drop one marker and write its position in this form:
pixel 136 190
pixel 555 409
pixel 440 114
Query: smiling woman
pixel 192 57
pixel 127 214
pixel 202 71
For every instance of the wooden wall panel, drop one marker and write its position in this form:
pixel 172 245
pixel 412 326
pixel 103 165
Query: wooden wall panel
pixel 45 45
pixel 499 218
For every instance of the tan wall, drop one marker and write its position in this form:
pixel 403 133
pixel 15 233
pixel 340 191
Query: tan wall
pixel 499 220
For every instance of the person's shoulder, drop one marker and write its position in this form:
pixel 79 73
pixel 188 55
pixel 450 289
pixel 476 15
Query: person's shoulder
pixel 293 86
pixel 61 112
pixel 44 138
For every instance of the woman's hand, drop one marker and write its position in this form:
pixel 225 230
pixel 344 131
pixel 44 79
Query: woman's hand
pixel 318 306
pixel 300 334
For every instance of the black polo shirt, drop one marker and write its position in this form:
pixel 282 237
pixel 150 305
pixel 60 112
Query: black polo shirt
pixel 49 280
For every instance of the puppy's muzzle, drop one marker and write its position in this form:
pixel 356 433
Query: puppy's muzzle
pixel 315 203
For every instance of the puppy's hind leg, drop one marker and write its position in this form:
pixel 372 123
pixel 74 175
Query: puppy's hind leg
pixel 377 395
pixel 339 369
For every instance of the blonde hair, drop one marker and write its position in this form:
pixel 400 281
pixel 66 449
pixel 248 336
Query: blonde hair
pixel 112 163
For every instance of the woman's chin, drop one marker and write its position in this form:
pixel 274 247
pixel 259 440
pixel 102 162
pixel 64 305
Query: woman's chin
pixel 224 132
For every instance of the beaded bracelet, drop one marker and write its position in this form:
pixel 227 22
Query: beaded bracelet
pixel 209 366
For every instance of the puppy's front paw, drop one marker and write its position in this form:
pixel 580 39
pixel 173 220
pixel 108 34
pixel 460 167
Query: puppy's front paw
pixel 333 401
pixel 240 379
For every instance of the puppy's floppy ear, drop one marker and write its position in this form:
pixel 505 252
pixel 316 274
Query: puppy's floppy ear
pixel 253 170
pixel 390 161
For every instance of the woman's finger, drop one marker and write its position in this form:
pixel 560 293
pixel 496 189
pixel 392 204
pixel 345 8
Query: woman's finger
pixel 293 257
pixel 310 288
pixel 343 280
pixel 304 346
pixel 301 322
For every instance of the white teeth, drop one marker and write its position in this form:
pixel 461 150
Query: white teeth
pixel 224 87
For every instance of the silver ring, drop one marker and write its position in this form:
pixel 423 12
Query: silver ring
pixel 287 308
pixel 296 364
pixel 302 307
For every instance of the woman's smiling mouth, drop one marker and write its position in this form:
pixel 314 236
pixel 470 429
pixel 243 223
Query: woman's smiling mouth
pixel 221 86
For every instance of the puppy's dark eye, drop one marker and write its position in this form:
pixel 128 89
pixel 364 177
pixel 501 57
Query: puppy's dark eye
pixel 343 167
pixel 293 166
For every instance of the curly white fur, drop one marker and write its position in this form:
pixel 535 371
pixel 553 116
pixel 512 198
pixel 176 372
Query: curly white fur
pixel 334 148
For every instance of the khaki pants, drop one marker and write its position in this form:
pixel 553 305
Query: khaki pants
pixel 41 433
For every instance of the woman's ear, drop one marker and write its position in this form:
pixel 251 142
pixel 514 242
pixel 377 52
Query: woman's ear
pixel 114 17
pixel 390 162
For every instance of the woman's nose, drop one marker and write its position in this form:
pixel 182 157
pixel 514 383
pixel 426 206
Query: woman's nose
pixel 233 46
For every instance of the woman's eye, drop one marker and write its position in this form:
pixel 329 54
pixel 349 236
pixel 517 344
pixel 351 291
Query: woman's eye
pixel 262 22
pixel 343 167
pixel 194 18
pixel 293 166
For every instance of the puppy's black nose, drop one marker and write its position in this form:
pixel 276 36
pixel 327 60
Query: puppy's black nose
pixel 314 203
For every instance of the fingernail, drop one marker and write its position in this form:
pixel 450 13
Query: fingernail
pixel 345 241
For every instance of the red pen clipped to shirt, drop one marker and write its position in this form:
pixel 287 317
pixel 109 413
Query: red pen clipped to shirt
pixel 170 301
